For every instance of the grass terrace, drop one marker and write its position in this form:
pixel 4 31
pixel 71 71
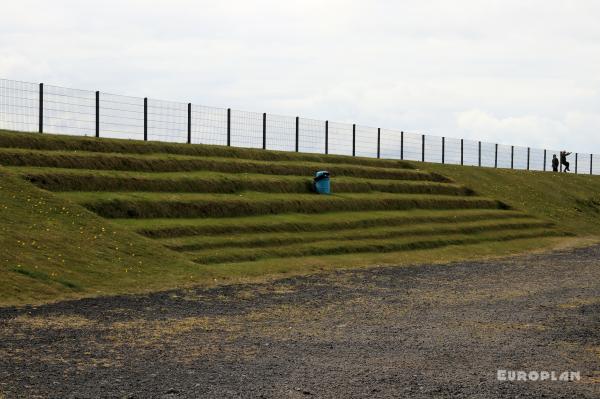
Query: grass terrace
pixel 84 216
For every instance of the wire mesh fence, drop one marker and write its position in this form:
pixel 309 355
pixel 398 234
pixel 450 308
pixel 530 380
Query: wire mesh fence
pixel 366 141
pixel 19 105
pixel 208 125
pixel 339 138
pixel 68 111
pixel 121 117
pixel 282 132
pixel 32 107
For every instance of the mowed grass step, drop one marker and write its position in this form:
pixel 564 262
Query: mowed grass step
pixel 9 139
pixel 185 205
pixel 333 247
pixel 296 222
pixel 179 163
pixel 254 240
pixel 59 179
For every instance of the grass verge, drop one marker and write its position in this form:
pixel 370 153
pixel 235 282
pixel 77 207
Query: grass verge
pixel 414 230
pixel 175 205
pixel 164 228
pixel 571 201
pixel 178 163
pixel 12 139
pixel 55 179
pixel 335 247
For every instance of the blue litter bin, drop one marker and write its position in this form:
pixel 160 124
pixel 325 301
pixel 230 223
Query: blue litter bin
pixel 321 182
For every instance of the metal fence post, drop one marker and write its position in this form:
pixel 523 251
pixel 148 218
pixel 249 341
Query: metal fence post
pixel 264 131
pixel 354 139
pixel 422 148
pixel 462 151
pixel 97 114
pixel 228 127
pixel 326 137
pixel 544 160
pixel 145 118
pixel 512 156
pixel 528 156
pixel 297 133
pixel 401 145
pixel 443 149
pixel 378 142
pixel 189 124
pixel 479 154
pixel 576 161
pixel 41 111
pixel 496 156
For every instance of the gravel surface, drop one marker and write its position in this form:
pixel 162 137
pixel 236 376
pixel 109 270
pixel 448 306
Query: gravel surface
pixel 422 331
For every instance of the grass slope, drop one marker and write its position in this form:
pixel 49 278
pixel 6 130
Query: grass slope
pixel 54 250
pixel 177 215
pixel 571 201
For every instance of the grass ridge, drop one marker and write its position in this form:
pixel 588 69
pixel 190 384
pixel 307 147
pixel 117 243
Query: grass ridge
pixel 275 239
pixel 365 246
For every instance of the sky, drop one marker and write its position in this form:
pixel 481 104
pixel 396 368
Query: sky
pixel 521 72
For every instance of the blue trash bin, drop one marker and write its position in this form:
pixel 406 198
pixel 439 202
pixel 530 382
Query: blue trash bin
pixel 321 182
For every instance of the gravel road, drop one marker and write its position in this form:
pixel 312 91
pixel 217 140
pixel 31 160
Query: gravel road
pixel 420 331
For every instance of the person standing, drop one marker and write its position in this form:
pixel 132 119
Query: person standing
pixel 563 160
pixel 554 163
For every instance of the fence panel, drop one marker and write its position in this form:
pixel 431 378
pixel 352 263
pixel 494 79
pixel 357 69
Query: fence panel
pixel 69 111
pixel 412 146
pixel 504 156
pixel 19 106
pixel 471 152
pixel 536 159
pixel 340 138
pixel 366 141
pixel 246 129
pixel 433 149
pixel 281 133
pixel 167 121
pixel 390 144
pixel 452 151
pixel 311 136
pixel 520 159
pixel 209 125
pixel 488 154
pixel 121 117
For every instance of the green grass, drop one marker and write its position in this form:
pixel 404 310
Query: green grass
pixel 57 179
pixel 254 240
pixel 52 249
pixel 185 205
pixel 335 247
pixel 11 139
pixel 179 215
pixel 571 201
pixel 165 228
pixel 179 163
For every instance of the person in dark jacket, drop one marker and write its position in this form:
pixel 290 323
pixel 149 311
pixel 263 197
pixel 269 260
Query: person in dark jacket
pixel 554 163
pixel 563 160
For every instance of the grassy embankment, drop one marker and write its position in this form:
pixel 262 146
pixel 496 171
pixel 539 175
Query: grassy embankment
pixel 116 216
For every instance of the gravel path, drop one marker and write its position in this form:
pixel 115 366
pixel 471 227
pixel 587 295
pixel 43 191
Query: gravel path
pixel 423 331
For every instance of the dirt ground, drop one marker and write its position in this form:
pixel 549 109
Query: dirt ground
pixel 422 331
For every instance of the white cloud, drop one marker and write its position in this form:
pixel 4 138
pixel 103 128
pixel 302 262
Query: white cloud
pixel 531 130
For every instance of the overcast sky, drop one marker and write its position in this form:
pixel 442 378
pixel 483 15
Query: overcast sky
pixel 511 71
